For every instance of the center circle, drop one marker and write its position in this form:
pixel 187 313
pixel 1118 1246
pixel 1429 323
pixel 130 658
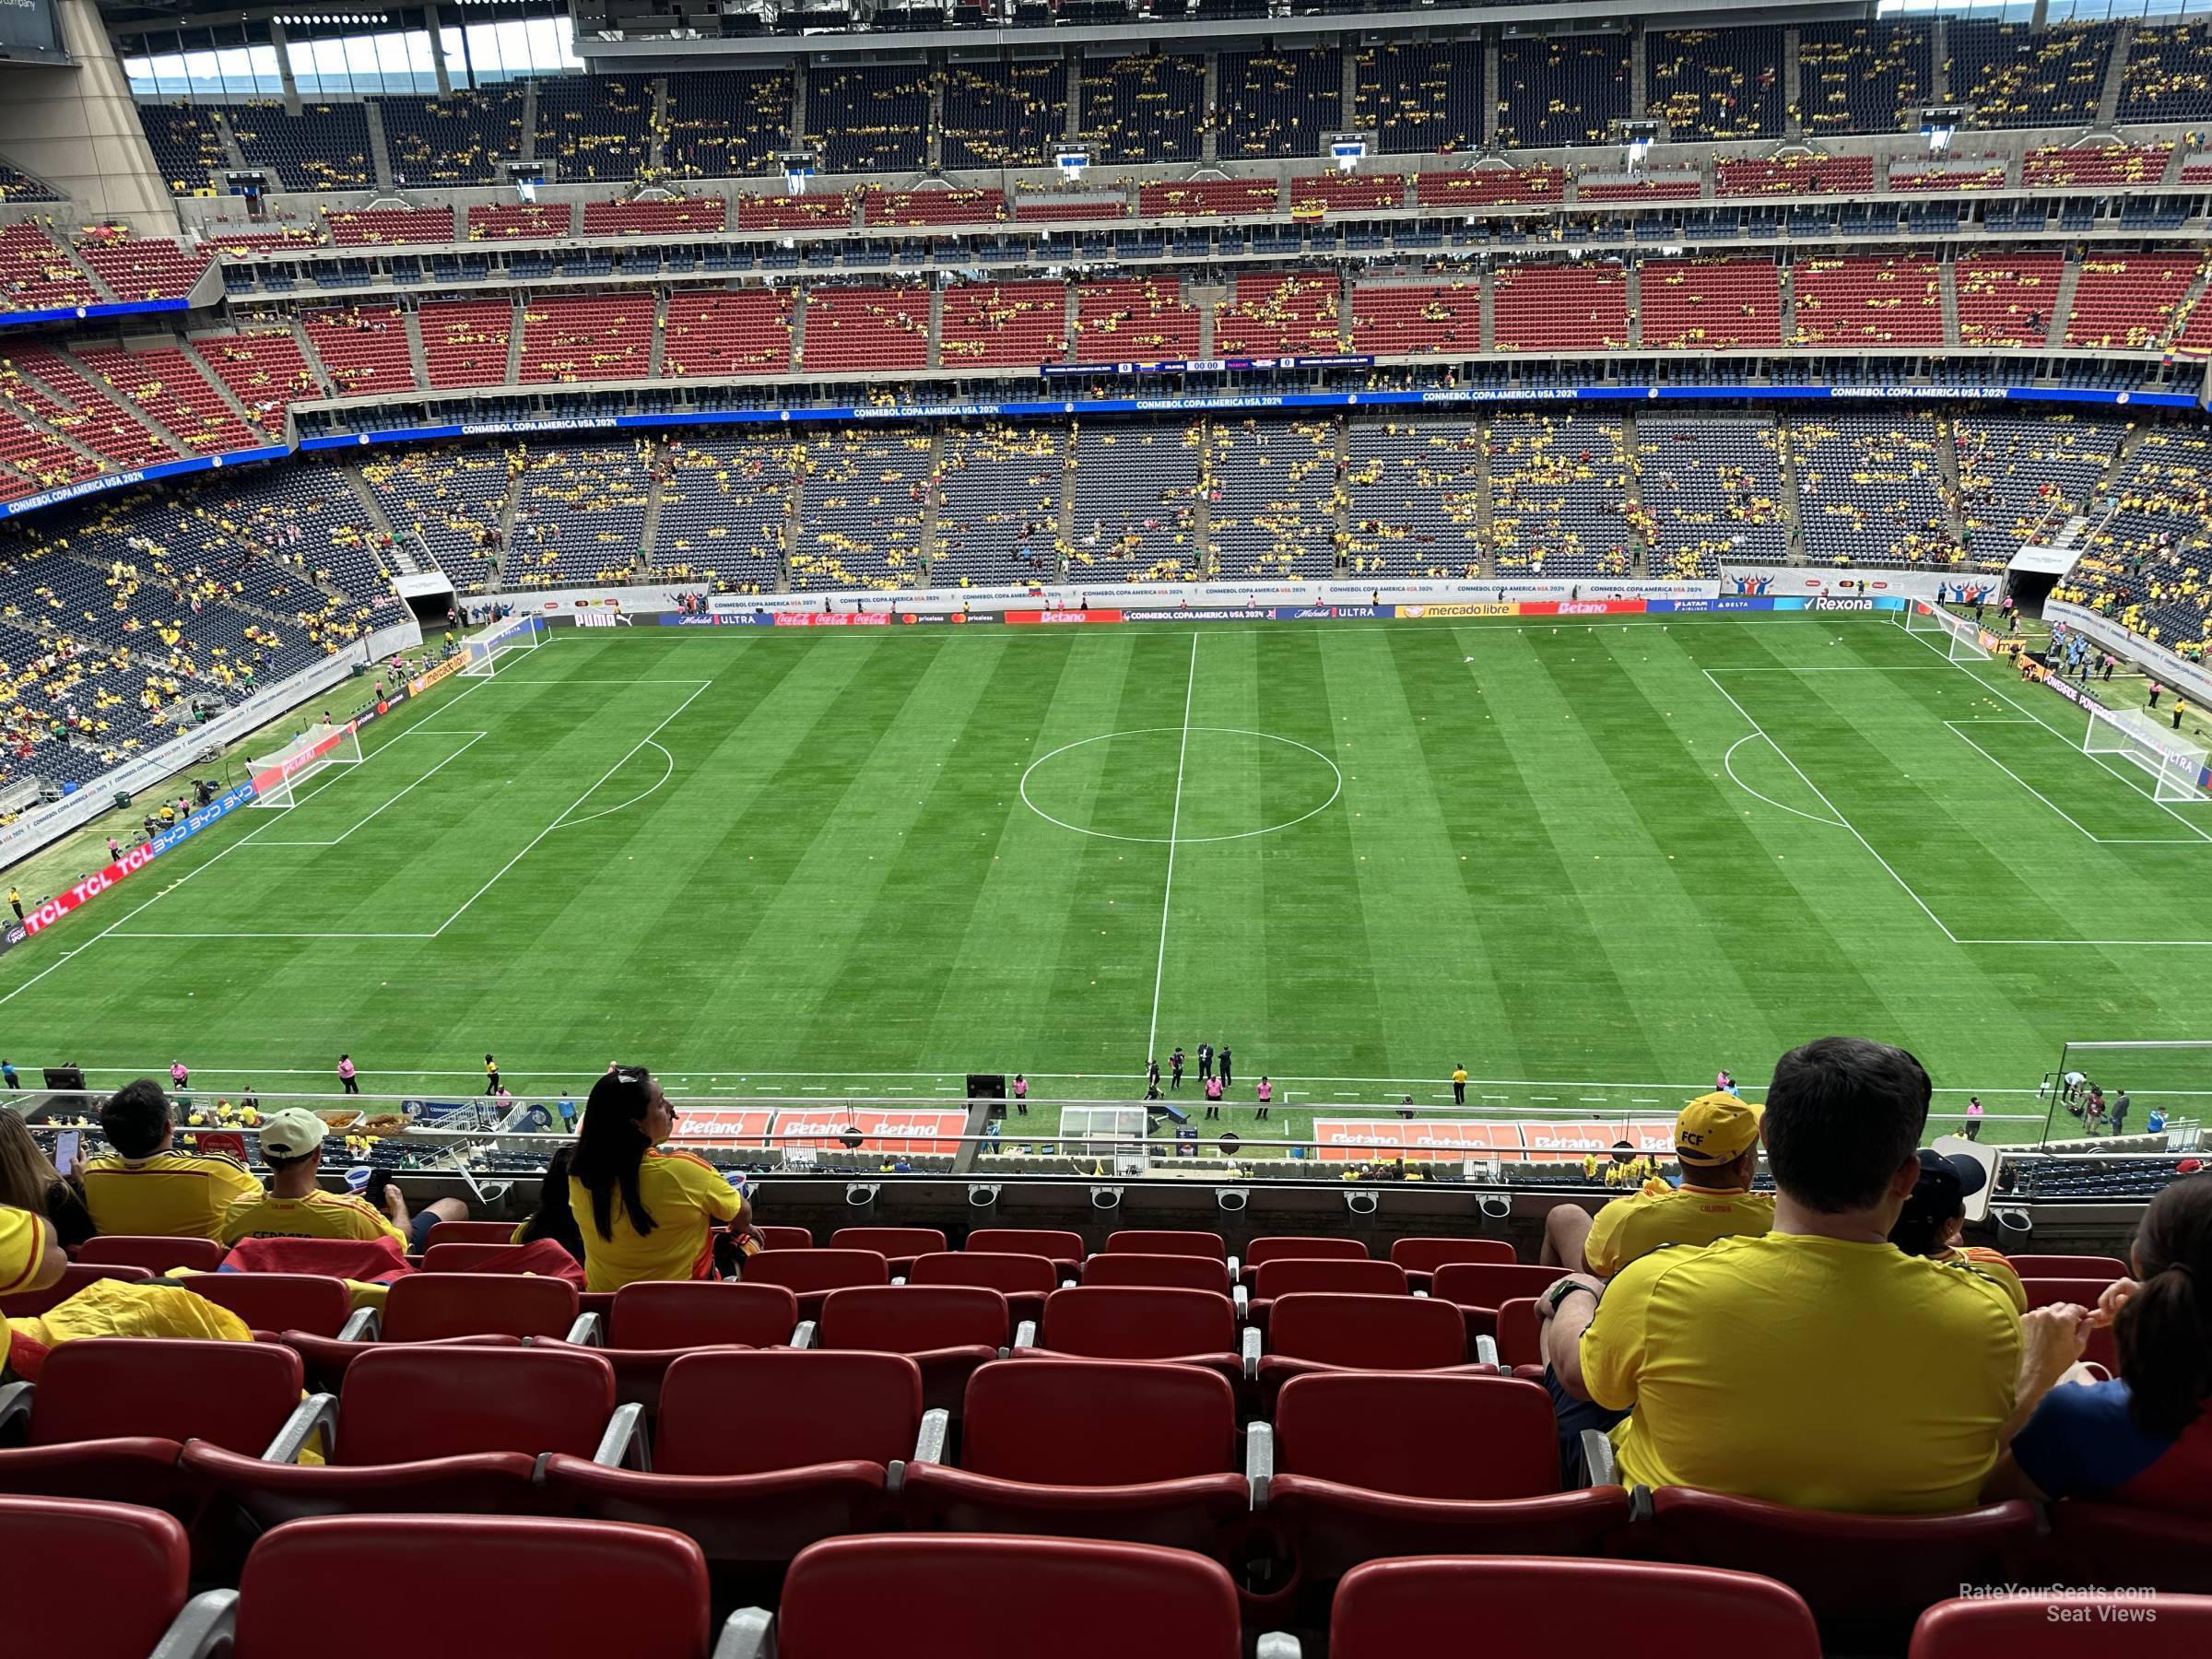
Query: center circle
pixel 1178 785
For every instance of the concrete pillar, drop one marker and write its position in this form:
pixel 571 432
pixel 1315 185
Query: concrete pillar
pixel 445 81
pixel 284 65
pixel 77 128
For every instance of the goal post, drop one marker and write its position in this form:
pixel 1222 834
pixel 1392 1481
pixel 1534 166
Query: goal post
pixel 485 648
pixel 2175 764
pixel 1962 639
pixel 276 777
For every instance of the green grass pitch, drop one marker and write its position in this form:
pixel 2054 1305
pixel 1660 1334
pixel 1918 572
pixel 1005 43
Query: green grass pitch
pixel 1592 861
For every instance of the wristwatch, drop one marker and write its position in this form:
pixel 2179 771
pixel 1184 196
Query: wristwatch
pixel 1561 1292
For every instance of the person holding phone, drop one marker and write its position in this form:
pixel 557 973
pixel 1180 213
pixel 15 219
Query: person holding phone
pixel 30 1182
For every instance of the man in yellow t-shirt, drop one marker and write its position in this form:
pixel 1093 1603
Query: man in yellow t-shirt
pixel 1716 1141
pixel 142 1186
pixel 1815 1365
pixel 295 1208
pixel 30 1259
pixel 1459 1086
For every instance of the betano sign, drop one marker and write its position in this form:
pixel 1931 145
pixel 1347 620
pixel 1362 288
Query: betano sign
pixel 1522 1140
pixel 824 1129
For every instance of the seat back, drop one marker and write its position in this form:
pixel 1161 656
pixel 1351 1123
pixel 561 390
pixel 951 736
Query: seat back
pixel 593 1587
pixel 1117 1321
pixel 785 1238
pixel 1385 1610
pixel 889 1241
pixel 1158 1272
pixel 425 1307
pixel 29 1304
pixel 157 1255
pixel 1050 1242
pixel 917 1594
pixel 1373 1333
pixel 468 1255
pixel 1287 1275
pixel 90 1578
pixel 1096 1422
pixel 406 1402
pixel 732 1412
pixel 469 1232
pixel 2102 1268
pixel 237 1395
pixel 2056 1626
pixel 1459 1437
pixel 2118 1545
pixel 2103 1347
pixel 676 1313
pixel 914 1319
pixel 1290 1247
pixel 803 1270
pixel 1520 1333
pixel 1490 1284
pixel 280 1302
pixel 1013 1275
pixel 1166 1241
pixel 1425 1255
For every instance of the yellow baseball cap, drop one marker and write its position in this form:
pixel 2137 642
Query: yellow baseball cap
pixel 1715 1129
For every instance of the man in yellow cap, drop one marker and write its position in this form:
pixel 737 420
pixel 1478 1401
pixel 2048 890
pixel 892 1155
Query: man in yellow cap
pixel 295 1206
pixel 1716 1141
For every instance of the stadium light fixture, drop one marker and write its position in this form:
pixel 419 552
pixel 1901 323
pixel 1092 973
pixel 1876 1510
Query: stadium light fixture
pixel 1360 1202
pixel 1105 1197
pixel 1232 1200
pixel 983 1197
pixel 861 1194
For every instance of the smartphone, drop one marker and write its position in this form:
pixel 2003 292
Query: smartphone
pixel 68 1146
pixel 378 1180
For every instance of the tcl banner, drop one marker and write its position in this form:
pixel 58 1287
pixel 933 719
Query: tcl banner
pixel 99 881
pixel 1355 1140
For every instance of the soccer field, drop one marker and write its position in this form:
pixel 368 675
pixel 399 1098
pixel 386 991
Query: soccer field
pixel 1591 860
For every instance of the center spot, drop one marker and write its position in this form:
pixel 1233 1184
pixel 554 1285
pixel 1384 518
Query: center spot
pixel 1122 785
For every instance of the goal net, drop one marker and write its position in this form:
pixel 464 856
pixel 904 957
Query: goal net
pixel 485 649
pixel 2174 764
pixel 1962 639
pixel 276 777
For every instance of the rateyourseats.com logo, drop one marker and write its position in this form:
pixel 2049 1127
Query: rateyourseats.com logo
pixel 2076 1605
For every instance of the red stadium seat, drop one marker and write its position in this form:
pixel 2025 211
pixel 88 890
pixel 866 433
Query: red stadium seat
pixel 1853 1569
pixel 1023 1280
pixel 1159 1241
pixel 1101 1322
pixel 897 1245
pixel 554 1589
pixel 280 1302
pixel 1062 1249
pixel 1480 1288
pixel 1392 1608
pixel 110 1416
pixel 2102 1268
pixel 94 1581
pixel 755 1455
pixel 1422 1257
pixel 426 1427
pixel 1367 1465
pixel 1312 1330
pixel 29 1304
pixel 446 1307
pixel 947 1330
pixel 2103 1347
pixel 786 1237
pixel 1299 1275
pixel 157 1255
pixel 1294 1249
pixel 2066 1625
pixel 811 1275
pixel 655 1322
pixel 2119 1547
pixel 1160 1272
pixel 469 1255
pixel 1091 1449
pixel 1520 1334
pixel 918 1597
pixel 469 1232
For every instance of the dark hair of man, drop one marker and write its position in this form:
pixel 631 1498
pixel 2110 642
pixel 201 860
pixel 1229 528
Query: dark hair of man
pixel 134 1118
pixel 1843 1115
pixel 610 1144
pixel 2164 1332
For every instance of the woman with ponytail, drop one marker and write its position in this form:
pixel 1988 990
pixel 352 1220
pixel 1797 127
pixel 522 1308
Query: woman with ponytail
pixel 2145 1438
pixel 644 1214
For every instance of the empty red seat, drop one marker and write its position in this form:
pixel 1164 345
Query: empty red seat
pixel 425 1426
pixel 1115 1322
pixel 1480 1288
pixel 897 1245
pixel 1092 1449
pixel 1313 1330
pixel 1367 1465
pixel 1062 1249
pixel 947 1330
pixel 281 1301
pixel 1288 1249
pixel 29 1304
pixel 1160 1272
pixel 95 1580
pixel 1854 1568
pixel 2104 1269
pixel 1390 1608
pixel 110 1415
pixel 446 1307
pixel 654 1323
pixel 920 1596
pixel 157 1255
pixel 2057 1624
pixel 556 1588
pixel 469 1232
pixel 470 1255
pixel 1023 1280
pixel 786 1237
pixel 1422 1257
pixel 1166 1241
pixel 755 1455
pixel 810 1275
pixel 1520 1334
pixel 1299 1275
pixel 2122 1547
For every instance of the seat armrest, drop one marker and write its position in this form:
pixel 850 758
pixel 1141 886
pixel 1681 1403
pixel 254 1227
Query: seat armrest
pixel 1249 1349
pixel 898 1279
pixel 802 1334
pixel 1236 1273
pixel 1242 1297
pixel 202 1630
pixel 1485 1353
pixel 361 1325
pixel 624 1444
pixel 1275 1644
pixel 14 1405
pixel 317 1411
pixel 929 1445
pixel 1597 1460
pixel 1025 1333
pixel 751 1633
pixel 587 1332
pixel 1259 1462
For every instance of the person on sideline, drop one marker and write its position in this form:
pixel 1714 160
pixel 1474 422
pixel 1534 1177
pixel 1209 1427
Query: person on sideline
pixel 1769 1367
pixel 1267 1094
pixel 1930 1222
pixel 30 1182
pixel 2144 1439
pixel 1459 1084
pixel 1716 1140
pixel 644 1214
pixel 180 1075
pixel 142 1185
pixel 491 1074
pixel 1973 1118
pixel 346 1080
pixel 1021 1095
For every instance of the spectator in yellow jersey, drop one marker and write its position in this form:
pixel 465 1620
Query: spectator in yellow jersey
pixel 644 1214
pixel 1816 1364
pixel 1459 1085
pixel 296 1208
pixel 1929 1225
pixel 142 1185
pixel 30 1259
pixel 1716 1141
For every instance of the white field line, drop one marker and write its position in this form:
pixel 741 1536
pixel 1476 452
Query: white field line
pixel 1160 966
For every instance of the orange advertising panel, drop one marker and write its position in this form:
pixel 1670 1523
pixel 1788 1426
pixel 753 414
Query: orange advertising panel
pixel 1533 1140
pixel 881 1130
